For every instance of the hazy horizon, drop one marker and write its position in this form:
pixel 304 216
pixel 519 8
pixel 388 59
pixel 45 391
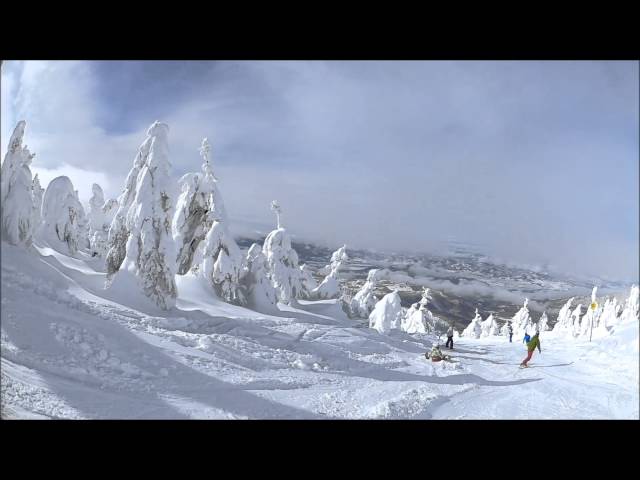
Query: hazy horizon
pixel 535 162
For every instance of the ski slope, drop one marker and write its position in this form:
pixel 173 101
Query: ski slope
pixel 71 349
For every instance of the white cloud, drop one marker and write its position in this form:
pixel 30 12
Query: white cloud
pixel 391 155
pixel 82 179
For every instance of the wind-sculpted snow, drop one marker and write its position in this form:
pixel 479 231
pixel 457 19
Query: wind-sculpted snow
pixel 222 263
pixel 330 286
pixel 599 322
pixel 521 321
pixel 119 230
pixel 62 217
pixel 199 205
pixel 100 216
pixel 387 314
pixel 564 322
pixel 37 195
pixel 489 327
pixel 307 282
pixel 474 329
pixel 16 191
pixel 260 294
pixel 337 259
pixel 364 301
pixel 71 349
pixel 419 319
pixel 150 248
pixel 282 261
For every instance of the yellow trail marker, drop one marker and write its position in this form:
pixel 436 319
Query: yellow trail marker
pixel 594 306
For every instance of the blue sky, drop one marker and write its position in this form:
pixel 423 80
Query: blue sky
pixel 537 162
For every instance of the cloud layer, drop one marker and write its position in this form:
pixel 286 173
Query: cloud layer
pixel 535 161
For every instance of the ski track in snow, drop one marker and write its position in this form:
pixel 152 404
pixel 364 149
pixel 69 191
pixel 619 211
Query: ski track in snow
pixel 73 350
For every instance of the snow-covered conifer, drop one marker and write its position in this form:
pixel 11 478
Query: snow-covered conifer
pixel 575 320
pixel 590 317
pixel 150 249
pixel 308 283
pixel 199 203
pixel 474 329
pixel 364 301
pixel 282 260
pixel 543 323
pixel 222 262
pixel 37 193
pixel 387 314
pixel 631 310
pixel 337 259
pixel 119 230
pixel 504 330
pixel 564 322
pixel 16 196
pixel 521 321
pixel 489 327
pixel 62 217
pixel 260 294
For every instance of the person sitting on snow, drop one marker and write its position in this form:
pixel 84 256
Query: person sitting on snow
pixel 436 354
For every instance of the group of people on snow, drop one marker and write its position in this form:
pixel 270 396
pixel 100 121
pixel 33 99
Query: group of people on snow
pixel 532 343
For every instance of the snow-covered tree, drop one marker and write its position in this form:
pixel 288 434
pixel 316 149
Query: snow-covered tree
pixel 222 262
pixel 119 230
pixel 150 249
pixel 337 259
pixel 99 219
pixel 575 320
pixel 631 310
pixel 607 318
pixel 260 294
pixel 282 260
pixel 199 203
pixel 543 322
pixel 589 319
pixel 564 322
pixel 200 228
pixel 62 217
pixel 16 191
pixel 489 327
pixel 413 320
pixel 521 321
pixel 330 287
pixel 474 329
pixel 37 193
pixel 419 319
pixel 98 238
pixel 387 314
pixel 308 283
pixel 504 330
pixel 364 301
pixel 96 202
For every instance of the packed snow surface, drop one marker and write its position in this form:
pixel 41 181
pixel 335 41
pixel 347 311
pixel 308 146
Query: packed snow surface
pixel 71 349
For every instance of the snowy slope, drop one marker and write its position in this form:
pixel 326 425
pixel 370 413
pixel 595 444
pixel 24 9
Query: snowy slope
pixel 71 349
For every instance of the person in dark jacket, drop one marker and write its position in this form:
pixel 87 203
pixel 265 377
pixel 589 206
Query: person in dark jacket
pixel 531 346
pixel 449 338
pixel 510 333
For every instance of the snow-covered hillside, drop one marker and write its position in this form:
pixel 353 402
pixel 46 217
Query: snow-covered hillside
pixel 146 307
pixel 71 349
